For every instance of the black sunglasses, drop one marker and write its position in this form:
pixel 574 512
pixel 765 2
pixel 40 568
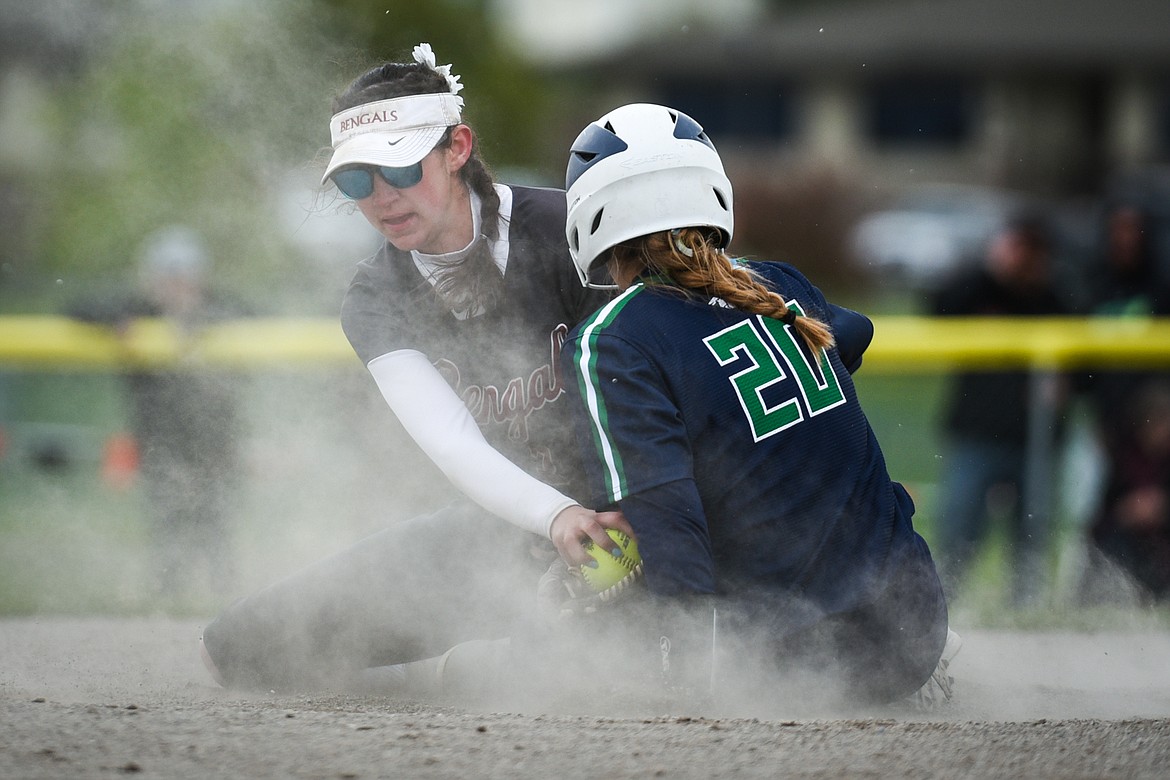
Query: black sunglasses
pixel 357 181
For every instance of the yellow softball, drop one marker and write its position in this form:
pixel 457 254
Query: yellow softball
pixel 610 570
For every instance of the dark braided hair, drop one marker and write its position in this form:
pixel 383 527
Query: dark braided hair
pixel 474 283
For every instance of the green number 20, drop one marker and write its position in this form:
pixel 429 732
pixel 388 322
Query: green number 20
pixel 750 340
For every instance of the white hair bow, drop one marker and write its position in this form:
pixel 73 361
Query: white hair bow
pixel 424 55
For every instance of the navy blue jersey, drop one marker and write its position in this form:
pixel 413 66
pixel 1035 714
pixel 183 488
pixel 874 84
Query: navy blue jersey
pixel 503 363
pixel 744 463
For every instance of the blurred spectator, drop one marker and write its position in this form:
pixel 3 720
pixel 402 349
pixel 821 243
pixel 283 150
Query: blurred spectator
pixel 1130 412
pixel 183 418
pixel 987 416
pixel 1133 526
pixel 1126 282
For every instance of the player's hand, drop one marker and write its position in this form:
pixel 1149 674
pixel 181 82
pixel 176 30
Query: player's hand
pixel 576 524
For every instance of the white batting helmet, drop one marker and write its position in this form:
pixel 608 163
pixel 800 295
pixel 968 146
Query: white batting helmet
pixel 641 169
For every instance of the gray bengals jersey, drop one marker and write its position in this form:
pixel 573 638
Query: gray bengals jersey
pixel 505 363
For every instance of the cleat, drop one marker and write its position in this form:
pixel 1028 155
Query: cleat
pixel 939 689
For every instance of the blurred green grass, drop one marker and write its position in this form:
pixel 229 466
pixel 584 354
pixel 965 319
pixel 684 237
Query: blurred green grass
pixel 319 471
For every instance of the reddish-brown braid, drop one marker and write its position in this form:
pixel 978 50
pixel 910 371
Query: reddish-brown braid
pixel 707 270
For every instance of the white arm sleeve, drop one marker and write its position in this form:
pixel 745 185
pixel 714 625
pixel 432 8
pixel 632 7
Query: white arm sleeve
pixel 438 420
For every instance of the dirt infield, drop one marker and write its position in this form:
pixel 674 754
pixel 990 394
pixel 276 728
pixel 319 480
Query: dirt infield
pixel 101 697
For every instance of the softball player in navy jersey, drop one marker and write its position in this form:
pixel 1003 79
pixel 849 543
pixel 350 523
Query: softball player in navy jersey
pixel 460 319
pixel 715 403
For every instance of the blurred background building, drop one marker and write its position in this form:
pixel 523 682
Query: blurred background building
pixel 1052 96
pixel 864 106
pixel 825 110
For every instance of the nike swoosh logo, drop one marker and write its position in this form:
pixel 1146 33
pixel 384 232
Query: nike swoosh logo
pixel 392 143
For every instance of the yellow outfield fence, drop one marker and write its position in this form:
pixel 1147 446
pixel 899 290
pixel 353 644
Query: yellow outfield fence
pixel 58 342
pixel 900 343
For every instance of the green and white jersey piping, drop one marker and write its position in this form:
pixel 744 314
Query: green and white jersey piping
pixel 585 359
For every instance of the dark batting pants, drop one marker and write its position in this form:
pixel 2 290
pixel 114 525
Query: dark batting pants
pixel 887 649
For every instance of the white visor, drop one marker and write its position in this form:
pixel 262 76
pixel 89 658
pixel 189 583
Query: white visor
pixel 395 133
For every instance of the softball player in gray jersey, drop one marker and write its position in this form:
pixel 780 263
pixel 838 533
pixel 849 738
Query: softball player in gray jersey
pixel 459 319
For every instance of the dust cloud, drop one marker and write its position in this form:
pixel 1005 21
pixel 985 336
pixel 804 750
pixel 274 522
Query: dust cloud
pixel 325 466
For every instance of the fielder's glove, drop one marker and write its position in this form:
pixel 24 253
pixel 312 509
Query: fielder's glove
pixel 562 591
